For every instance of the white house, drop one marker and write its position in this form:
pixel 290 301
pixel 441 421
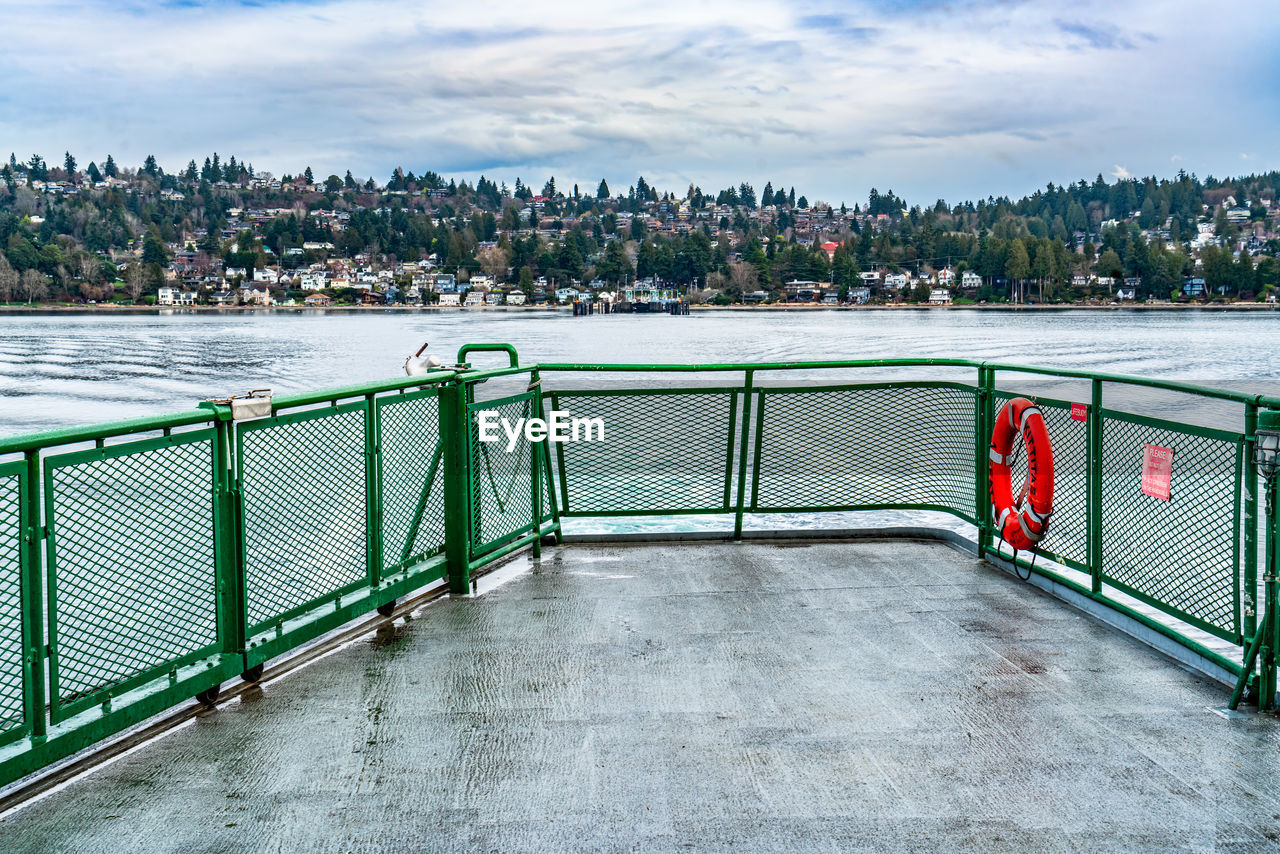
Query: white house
pixel 940 296
pixel 481 280
pixel 266 275
pixel 173 296
pixel 450 299
pixel 895 280
pixel 970 280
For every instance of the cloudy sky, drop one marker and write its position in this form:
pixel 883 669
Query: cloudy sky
pixel 935 98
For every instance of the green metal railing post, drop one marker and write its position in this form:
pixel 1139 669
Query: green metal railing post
pixel 747 390
pixel 1093 483
pixel 455 432
pixel 373 491
pixel 228 552
pixel 535 473
pixel 1249 601
pixel 1267 651
pixel 32 585
pixel 984 418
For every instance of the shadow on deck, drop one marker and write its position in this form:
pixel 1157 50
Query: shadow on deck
pixel 895 695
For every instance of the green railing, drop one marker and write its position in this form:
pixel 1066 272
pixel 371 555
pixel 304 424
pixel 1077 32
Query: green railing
pixel 145 562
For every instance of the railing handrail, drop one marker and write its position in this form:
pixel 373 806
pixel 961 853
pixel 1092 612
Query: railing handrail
pixel 1065 373
pixel 149 423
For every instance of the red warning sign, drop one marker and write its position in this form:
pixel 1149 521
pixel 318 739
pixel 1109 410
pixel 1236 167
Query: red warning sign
pixel 1157 471
pixel 1079 412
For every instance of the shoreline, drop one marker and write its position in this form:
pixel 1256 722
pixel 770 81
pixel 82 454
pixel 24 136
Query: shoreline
pixel 549 309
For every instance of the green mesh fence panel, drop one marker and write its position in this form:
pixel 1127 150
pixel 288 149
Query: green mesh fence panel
pixel 412 477
pixel 668 451
pixel 1068 538
pixel 11 704
pixel 303 483
pixel 131 564
pixel 849 447
pixel 1180 555
pixel 501 480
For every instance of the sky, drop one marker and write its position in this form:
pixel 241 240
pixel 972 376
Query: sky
pixel 954 99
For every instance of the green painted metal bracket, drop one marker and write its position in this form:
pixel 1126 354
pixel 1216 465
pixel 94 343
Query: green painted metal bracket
pixel 489 348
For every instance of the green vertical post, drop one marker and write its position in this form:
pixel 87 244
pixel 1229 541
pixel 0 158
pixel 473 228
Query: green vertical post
pixel 535 474
pixel 544 449
pixel 983 418
pixel 1249 622
pixel 1093 483
pixel 32 585
pixel 1267 653
pixel 455 432
pixel 747 390
pixel 1270 628
pixel 228 549
pixel 373 490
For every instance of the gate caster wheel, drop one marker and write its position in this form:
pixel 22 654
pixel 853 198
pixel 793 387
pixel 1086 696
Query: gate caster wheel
pixel 210 696
pixel 387 609
pixel 253 674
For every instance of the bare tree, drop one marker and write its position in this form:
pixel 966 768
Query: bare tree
pixel 35 285
pixel 494 262
pixel 88 267
pixel 133 281
pixel 8 280
pixel 743 276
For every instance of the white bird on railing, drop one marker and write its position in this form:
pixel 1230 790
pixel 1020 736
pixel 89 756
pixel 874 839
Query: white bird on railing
pixel 418 364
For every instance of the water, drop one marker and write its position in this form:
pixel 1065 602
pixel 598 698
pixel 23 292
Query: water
pixel 60 369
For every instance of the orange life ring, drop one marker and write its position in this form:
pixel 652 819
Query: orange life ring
pixel 1023 520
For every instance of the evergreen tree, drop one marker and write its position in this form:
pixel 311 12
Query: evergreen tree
pixel 69 164
pixel 602 192
pixel 109 168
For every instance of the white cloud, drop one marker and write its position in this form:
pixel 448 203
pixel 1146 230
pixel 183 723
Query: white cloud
pixel 831 98
pixel 1120 173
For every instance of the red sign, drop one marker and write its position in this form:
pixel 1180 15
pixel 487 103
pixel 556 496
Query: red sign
pixel 1157 471
pixel 1079 412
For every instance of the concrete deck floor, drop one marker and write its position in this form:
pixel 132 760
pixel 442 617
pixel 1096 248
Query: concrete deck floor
pixel 873 695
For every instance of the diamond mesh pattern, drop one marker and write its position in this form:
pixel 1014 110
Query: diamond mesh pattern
pixel 132 545
pixel 662 451
pixel 11 710
pixel 866 446
pixel 303 482
pixel 501 487
pixel 410 449
pixel 1069 527
pixel 1178 553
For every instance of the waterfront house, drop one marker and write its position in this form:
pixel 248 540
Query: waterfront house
pixel 474 297
pixel 802 291
pixel 317 301
pixel 859 295
pixel 970 280
pixel 451 298
pixel 516 298
pixel 1193 287
pixel 940 296
pixel 174 296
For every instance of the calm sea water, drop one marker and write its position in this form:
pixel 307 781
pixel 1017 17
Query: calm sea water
pixel 60 369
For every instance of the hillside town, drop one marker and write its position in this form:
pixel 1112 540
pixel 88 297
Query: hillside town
pixel 225 235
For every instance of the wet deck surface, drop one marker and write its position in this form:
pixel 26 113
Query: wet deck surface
pixel 895 696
